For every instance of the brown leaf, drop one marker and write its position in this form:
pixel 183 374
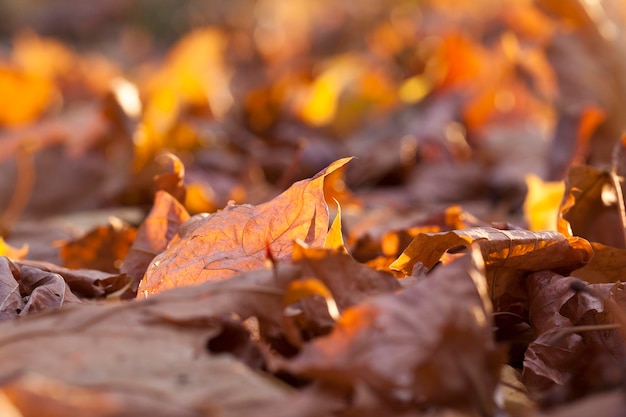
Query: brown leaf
pixel 153 236
pixel 102 248
pixel 509 255
pixel 578 350
pixel 85 283
pixel 172 180
pixel 24 290
pixel 606 265
pixel 350 282
pixel 430 344
pixel 217 246
pixel 162 356
pixel 592 207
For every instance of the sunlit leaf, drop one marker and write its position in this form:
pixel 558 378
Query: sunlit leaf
pixel 219 245
pixel 541 206
pixel 509 255
pixel 11 252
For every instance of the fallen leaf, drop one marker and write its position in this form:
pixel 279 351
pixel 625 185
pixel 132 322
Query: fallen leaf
pixel 606 265
pixel 430 344
pixel 349 281
pixel 219 245
pixel 151 357
pixel 509 255
pixel 172 180
pixel 102 248
pixel 84 283
pixel 542 203
pixel 31 96
pixel 25 290
pixel 11 252
pixel 578 349
pixel 593 206
pixel 153 236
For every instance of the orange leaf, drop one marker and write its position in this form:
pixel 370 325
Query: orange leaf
pixel 102 248
pixel 30 96
pixel 154 234
pixel 217 246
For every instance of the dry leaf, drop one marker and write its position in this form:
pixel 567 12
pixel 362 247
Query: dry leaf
pixel 430 344
pixel 606 265
pixel 153 235
pixel 593 206
pixel 103 248
pixel 578 349
pixel 151 357
pixel 25 290
pixel 509 255
pixel 84 283
pixel 219 245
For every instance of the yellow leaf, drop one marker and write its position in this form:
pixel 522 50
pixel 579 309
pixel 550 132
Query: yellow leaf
pixel 541 207
pixel 334 238
pixel 303 288
pixel 11 252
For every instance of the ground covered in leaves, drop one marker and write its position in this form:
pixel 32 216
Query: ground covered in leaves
pixel 312 208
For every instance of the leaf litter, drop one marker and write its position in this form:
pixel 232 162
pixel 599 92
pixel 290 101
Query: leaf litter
pixel 468 262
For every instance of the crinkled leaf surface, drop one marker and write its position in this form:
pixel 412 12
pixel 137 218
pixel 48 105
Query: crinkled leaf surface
pixel 591 208
pixel 85 283
pixel 509 255
pixel 150 357
pixel 25 289
pixel 431 343
pixel 563 363
pixel 219 245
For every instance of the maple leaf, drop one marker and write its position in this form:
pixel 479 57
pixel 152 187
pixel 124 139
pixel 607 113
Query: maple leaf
pixel 219 245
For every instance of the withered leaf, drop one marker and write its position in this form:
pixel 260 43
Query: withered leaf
pixel 508 255
pixel 606 265
pixel 172 180
pixel 151 357
pixel 217 246
pixel 102 248
pixel 592 206
pixel 85 283
pixel 154 234
pixel 578 350
pixel 349 281
pixel 430 344
pixel 24 290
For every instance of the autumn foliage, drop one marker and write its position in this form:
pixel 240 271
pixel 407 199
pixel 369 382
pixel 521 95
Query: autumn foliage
pixel 314 208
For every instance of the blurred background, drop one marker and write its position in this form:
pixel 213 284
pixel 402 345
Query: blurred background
pixel 443 102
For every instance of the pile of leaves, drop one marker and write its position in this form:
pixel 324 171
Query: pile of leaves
pixel 193 236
